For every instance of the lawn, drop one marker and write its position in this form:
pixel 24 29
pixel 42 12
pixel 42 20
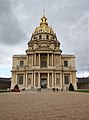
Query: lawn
pixel 86 91
pixel 4 90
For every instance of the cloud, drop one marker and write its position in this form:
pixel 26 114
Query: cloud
pixel 73 32
pixel 77 38
pixel 11 32
pixel 68 18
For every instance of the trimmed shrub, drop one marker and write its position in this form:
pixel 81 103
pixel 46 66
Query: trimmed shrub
pixel 16 87
pixel 71 87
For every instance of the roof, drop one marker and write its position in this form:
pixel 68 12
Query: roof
pixel 5 79
pixel 83 80
pixel 44 28
pixel 68 55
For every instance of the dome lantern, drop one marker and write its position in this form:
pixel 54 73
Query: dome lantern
pixel 43 27
pixel 43 19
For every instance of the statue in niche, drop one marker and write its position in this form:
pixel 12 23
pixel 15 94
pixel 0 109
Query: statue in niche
pixel 30 60
pixel 29 81
pixel 57 61
pixel 57 81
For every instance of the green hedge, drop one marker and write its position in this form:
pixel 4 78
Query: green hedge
pixel 87 91
pixel 4 90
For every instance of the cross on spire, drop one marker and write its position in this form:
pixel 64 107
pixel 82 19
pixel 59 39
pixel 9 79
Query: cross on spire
pixel 43 12
pixel 43 19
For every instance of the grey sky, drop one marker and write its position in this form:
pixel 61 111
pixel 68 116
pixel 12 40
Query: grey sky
pixel 68 18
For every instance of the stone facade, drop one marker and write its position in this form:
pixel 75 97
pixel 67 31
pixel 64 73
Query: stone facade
pixel 44 65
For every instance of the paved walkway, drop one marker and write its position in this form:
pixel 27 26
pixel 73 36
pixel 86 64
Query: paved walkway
pixel 48 105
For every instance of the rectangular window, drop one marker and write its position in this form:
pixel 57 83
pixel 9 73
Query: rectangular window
pixel 66 79
pixel 65 63
pixel 43 64
pixel 21 63
pixel 20 79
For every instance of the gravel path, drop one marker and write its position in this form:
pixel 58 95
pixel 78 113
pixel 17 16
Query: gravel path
pixel 29 105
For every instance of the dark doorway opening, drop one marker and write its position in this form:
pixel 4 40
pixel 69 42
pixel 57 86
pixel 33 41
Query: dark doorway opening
pixel 43 83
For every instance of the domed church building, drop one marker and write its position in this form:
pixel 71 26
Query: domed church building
pixel 43 65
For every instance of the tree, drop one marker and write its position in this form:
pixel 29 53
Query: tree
pixel 16 87
pixel 71 87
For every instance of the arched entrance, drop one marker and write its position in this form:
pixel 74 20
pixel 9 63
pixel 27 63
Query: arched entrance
pixel 43 60
pixel 43 83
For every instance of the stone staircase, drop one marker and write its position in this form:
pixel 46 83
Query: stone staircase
pixel 42 90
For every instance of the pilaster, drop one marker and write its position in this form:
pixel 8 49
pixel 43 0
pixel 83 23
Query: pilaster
pixel 39 59
pixel 35 59
pixel 70 79
pixel 52 59
pixel 48 59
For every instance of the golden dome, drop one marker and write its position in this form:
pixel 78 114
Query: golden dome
pixel 43 28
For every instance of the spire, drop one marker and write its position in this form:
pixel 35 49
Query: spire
pixel 43 19
pixel 43 12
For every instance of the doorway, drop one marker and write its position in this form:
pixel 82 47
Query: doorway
pixel 43 83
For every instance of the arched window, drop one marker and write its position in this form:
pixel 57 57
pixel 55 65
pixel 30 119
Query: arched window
pixel 43 62
pixel 47 37
pixel 40 36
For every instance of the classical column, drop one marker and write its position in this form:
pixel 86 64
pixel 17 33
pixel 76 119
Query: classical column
pixel 39 80
pixel 61 80
pixel 26 81
pixel 48 81
pixel 32 60
pixel 39 59
pixel 32 81
pixel 48 59
pixel 52 59
pixel 60 60
pixel 28 60
pixel 35 59
pixel 16 82
pixel 34 78
pixel 55 79
pixel 52 80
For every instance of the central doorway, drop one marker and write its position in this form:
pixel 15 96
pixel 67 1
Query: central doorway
pixel 43 83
